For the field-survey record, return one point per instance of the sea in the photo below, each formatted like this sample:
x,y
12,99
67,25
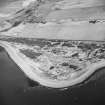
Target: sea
x,y
17,89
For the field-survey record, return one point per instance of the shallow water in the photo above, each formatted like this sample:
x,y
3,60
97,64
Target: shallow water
x,y
16,89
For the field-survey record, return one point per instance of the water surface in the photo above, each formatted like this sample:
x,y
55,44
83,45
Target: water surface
x,y
16,89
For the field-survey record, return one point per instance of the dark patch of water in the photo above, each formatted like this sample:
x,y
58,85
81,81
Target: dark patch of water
x,y
16,89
